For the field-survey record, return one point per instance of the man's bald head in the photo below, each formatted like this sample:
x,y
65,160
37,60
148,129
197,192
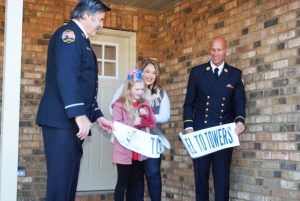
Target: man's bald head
x,y
218,48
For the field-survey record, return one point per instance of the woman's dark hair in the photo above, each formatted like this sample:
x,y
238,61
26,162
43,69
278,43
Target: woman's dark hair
x,y
156,84
88,6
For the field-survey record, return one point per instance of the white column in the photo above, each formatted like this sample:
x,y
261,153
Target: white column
x,y
11,100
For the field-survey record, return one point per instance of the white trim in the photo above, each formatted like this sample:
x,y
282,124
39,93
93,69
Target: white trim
x,y
103,60
11,99
124,34
74,105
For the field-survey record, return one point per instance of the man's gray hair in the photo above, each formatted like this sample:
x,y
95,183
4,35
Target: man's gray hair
x,y
88,6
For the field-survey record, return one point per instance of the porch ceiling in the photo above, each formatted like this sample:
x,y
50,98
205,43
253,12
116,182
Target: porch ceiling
x,y
155,5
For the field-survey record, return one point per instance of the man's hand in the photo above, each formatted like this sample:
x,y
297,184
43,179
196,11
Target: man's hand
x,y
240,127
84,125
105,124
189,130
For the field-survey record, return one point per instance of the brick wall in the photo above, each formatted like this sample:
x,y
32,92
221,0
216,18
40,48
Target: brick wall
x,y
143,22
264,42
39,21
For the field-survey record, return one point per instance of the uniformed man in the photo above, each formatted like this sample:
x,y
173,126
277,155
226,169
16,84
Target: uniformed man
x,y
69,103
215,95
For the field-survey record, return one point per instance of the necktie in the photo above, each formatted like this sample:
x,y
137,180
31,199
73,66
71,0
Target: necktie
x,y
216,72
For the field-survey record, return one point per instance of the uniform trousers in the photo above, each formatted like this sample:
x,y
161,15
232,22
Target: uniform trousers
x,y
63,152
220,162
151,169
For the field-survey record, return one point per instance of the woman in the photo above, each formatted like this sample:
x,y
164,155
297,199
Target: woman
x,y
160,104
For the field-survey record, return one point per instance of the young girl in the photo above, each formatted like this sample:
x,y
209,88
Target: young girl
x,y
130,109
160,104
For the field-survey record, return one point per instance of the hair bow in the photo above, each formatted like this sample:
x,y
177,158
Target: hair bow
x,y
135,75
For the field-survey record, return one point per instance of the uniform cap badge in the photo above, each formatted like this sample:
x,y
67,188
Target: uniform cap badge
x,y
208,68
68,36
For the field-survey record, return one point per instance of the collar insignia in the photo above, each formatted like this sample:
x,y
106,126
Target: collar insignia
x,y
225,70
208,68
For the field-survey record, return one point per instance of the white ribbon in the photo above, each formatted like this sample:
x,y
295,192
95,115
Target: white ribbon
x,y
137,140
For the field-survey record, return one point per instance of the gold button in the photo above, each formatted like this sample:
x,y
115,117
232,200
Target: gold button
x,y
206,109
222,110
207,103
206,115
208,97
222,104
220,123
224,98
221,117
205,122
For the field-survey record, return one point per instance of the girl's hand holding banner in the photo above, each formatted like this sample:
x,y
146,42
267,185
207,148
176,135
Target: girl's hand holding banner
x,y
209,140
136,140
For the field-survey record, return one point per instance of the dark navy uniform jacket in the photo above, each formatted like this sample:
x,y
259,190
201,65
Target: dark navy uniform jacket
x,y
71,80
212,101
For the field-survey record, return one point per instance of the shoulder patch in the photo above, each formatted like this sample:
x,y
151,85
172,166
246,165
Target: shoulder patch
x,y
68,36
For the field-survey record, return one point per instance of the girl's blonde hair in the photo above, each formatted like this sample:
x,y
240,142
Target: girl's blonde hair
x,y
126,96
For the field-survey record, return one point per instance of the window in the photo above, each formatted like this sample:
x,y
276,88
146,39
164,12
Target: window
x,y
107,55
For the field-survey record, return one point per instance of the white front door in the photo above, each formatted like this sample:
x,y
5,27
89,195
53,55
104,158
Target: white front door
x,y
116,54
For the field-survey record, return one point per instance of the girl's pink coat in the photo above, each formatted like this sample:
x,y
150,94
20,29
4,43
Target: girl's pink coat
x,y
120,154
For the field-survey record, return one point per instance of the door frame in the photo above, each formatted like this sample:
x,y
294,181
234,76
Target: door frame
x,y
126,34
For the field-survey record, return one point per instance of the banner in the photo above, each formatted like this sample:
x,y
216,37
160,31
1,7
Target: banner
x,y
136,140
209,140
164,141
